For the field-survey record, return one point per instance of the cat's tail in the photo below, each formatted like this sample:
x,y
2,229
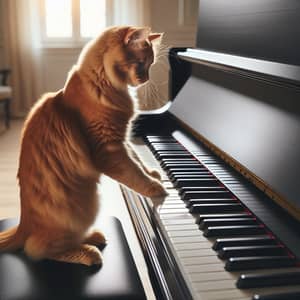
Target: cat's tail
x,y
11,239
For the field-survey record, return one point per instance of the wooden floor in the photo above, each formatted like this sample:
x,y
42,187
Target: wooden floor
x,y
112,203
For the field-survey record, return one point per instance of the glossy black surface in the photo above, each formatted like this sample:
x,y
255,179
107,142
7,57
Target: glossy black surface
x,y
256,124
266,29
263,280
259,262
22,278
281,296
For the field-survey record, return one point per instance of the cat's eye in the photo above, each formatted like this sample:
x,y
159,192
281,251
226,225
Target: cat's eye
x,y
140,65
147,44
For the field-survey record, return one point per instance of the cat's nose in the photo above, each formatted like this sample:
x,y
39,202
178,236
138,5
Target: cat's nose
x,y
145,78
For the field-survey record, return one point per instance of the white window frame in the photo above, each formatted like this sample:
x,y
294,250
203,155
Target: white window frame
x,y
76,40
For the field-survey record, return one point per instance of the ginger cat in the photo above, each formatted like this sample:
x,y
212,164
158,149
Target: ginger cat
x,y
73,136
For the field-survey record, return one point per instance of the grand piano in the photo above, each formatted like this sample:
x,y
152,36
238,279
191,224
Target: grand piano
x,y
228,147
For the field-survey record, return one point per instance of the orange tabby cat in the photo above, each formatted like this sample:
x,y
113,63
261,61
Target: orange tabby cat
x,y
70,138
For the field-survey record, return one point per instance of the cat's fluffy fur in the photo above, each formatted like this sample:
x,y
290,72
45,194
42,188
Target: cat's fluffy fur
x,y
73,136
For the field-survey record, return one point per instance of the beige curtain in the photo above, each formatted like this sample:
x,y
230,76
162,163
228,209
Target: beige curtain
x,y
21,52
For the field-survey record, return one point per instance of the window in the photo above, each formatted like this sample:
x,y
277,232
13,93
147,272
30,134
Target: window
x,y
73,21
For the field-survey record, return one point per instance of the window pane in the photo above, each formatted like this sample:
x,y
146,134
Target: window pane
x,y
92,17
58,18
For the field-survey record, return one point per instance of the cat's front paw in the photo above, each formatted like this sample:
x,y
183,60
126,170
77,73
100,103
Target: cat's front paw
x,y
155,189
155,174
95,238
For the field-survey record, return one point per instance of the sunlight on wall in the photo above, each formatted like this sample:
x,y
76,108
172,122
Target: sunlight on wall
x,y
60,15
58,18
92,17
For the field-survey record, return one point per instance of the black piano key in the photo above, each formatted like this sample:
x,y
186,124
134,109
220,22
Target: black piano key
x,y
185,169
205,175
200,188
195,174
170,151
280,296
201,217
174,154
177,160
165,147
216,208
243,251
198,174
194,182
247,281
219,231
259,262
187,195
160,138
226,222
181,166
191,163
209,201
244,241
209,162
203,187
170,146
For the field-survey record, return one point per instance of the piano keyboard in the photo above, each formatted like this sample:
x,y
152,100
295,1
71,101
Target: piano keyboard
x,y
221,247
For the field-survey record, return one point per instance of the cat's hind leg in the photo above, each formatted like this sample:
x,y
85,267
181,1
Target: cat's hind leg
x,y
84,254
39,247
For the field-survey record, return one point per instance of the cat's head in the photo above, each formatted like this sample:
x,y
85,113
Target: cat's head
x,y
137,55
129,54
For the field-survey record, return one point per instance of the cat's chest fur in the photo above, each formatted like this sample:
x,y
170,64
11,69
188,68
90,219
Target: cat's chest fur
x,y
106,116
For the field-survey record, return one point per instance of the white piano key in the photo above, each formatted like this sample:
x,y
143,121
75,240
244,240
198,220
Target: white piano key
x,y
187,239
168,185
210,276
195,253
232,294
176,215
197,245
217,285
178,221
198,260
183,233
205,268
173,202
163,210
182,227
172,205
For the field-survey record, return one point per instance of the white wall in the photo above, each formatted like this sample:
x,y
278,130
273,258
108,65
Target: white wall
x,y
55,65
177,19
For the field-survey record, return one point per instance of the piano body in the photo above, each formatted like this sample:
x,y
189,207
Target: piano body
x,y
228,147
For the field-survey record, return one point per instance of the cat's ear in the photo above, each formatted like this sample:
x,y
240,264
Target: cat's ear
x,y
154,36
136,34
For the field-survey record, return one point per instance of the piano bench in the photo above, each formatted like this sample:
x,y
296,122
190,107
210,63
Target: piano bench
x,y
22,278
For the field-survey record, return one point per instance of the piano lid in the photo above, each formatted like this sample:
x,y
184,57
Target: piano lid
x,y
256,124
267,30
256,36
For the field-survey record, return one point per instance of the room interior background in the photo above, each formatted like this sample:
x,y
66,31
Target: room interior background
x,y
41,65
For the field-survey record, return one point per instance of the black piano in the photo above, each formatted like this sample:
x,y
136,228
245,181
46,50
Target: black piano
x,y
228,146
